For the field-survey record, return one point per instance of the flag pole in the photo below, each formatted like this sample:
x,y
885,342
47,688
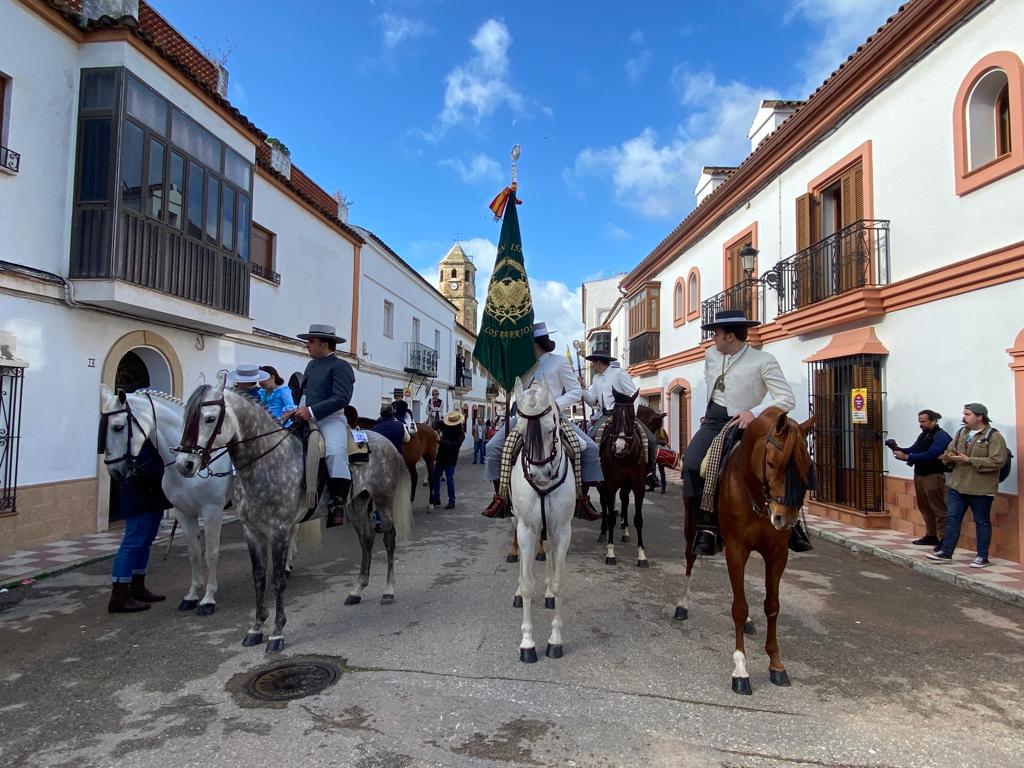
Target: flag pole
x,y
514,157
579,371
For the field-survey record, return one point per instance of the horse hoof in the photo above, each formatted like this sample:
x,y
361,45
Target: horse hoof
x,y
206,609
252,639
188,605
610,561
748,627
601,538
549,603
528,655
643,563
353,599
541,557
511,558
682,614
741,685
779,677
517,601
275,645
387,600
553,651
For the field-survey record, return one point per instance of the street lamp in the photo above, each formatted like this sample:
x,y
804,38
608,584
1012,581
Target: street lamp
x,y
748,258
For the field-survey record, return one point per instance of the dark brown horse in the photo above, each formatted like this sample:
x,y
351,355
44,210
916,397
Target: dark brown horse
x,y
624,465
422,445
761,490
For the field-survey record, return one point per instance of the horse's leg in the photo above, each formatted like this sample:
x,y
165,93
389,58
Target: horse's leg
x,y
364,532
689,532
527,542
736,558
257,543
549,579
638,523
279,544
513,552
190,530
559,549
213,517
624,501
774,565
541,554
603,535
389,546
413,476
609,521
293,553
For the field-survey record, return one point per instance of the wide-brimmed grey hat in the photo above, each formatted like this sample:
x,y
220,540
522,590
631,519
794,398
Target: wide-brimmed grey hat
x,y
730,318
247,373
321,331
541,329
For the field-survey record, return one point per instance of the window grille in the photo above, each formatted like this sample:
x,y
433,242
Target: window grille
x,y
11,379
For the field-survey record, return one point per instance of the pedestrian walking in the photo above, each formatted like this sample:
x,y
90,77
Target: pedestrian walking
x,y
276,396
977,454
141,501
929,475
453,433
479,440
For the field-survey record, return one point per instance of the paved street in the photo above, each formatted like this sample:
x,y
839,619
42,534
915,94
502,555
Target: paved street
x,y
889,668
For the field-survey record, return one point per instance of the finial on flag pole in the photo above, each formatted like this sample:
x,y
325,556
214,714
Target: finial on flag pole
x,y
516,152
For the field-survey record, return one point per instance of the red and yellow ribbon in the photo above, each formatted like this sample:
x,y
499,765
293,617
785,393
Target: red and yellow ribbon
x,y
498,204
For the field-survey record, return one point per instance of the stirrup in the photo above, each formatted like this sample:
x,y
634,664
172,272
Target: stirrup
x,y
706,542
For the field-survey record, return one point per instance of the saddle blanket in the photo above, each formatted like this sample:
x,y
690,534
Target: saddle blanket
x,y
513,445
599,435
711,466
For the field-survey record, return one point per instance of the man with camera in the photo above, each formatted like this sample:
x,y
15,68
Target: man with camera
x,y
929,479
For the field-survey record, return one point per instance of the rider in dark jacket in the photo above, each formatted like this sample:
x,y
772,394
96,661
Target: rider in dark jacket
x,y
390,427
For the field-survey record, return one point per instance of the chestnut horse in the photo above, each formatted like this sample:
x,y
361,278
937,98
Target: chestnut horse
x,y
624,465
760,492
422,445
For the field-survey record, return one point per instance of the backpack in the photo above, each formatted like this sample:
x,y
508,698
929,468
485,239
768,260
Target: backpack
x,y
1004,471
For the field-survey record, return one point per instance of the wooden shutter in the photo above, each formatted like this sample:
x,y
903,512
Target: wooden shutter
x,y
853,253
804,229
261,250
867,439
684,420
823,398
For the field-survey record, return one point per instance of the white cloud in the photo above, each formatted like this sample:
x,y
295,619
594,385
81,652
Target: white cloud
x,y
637,37
844,24
479,168
479,86
637,65
397,29
237,94
615,232
656,178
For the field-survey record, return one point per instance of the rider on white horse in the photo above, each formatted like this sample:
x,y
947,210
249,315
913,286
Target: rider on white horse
x,y
555,371
607,381
326,389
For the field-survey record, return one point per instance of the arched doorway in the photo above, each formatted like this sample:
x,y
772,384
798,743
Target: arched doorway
x,y
143,368
679,397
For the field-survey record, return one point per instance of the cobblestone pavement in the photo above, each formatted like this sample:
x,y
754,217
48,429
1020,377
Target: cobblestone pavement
x,y
889,667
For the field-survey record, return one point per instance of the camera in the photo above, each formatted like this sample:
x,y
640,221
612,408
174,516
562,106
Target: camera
x,y
891,444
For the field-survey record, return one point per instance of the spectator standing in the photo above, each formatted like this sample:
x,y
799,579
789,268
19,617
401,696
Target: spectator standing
x,y
276,396
460,370
390,427
977,453
661,438
929,477
479,440
489,433
453,433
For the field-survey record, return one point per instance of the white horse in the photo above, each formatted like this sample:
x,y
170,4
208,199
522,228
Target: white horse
x,y
127,422
543,495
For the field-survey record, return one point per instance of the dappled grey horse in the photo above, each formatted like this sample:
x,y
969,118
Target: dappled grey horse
x,y
274,490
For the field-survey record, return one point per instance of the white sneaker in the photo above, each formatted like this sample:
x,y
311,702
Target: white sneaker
x,y
980,562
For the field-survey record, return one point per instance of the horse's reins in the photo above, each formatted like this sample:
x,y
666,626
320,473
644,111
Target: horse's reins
x,y
554,444
128,456
527,462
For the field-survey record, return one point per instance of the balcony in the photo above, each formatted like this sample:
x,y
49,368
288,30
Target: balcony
x,y
491,393
152,267
855,257
645,347
10,161
742,296
600,343
420,359
466,384
267,274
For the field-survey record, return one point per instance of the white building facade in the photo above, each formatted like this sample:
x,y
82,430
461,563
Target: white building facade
x,y
886,253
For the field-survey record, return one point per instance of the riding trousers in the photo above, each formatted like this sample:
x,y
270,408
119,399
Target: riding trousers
x,y
714,421
590,460
334,428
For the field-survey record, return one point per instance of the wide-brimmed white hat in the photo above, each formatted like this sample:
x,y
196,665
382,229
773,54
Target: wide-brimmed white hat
x,y
247,373
454,418
321,331
541,329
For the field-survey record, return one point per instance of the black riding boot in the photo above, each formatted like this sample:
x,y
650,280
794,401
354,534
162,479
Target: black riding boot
x,y
337,496
799,541
706,543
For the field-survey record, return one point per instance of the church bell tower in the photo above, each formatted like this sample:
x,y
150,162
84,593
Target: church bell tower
x,y
457,275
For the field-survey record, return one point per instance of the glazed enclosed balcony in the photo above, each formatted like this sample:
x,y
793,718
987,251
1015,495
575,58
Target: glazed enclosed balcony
x,y
420,360
161,221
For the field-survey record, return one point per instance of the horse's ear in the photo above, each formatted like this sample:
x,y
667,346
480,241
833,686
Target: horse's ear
x,y
806,427
105,393
782,423
121,396
218,388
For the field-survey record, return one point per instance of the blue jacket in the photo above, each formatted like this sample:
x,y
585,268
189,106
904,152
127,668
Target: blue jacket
x,y
392,429
277,402
924,454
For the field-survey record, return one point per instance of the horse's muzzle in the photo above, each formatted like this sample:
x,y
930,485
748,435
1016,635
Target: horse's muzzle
x,y
188,464
781,521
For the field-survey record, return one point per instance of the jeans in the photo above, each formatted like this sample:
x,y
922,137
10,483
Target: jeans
x,y
957,505
661,471
449,481
478,451
133,556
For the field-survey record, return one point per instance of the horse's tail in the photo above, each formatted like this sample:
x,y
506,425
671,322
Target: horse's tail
x,y
401,506
316,449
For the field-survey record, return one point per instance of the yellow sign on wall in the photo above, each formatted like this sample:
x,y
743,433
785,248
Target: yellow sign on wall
x,y
859,405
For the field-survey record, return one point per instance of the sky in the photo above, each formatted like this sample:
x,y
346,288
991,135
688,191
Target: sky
x,y
411,108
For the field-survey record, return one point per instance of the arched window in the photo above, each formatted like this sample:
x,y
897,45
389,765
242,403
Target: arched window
x,y
693,294
988,120
455,272
465,274
678,309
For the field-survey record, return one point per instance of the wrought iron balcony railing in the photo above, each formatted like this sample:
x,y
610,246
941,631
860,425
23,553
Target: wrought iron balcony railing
x,y
267,274
743,296
10,160
646,346
466,382
420,359
854,257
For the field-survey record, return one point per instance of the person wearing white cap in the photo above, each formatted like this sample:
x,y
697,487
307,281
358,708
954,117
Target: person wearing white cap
x,y
555,371
245,379
327,388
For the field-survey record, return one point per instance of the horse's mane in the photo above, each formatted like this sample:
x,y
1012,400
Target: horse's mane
x,y
190,431
623,418
159,394
795,460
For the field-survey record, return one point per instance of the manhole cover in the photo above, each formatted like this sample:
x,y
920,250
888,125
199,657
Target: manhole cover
x,y
291,680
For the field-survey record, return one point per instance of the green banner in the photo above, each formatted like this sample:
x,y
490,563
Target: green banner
x,y
504,345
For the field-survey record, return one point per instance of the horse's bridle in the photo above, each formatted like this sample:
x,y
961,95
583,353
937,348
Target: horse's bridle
x,y
128,457
764,508
205,452
554,441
